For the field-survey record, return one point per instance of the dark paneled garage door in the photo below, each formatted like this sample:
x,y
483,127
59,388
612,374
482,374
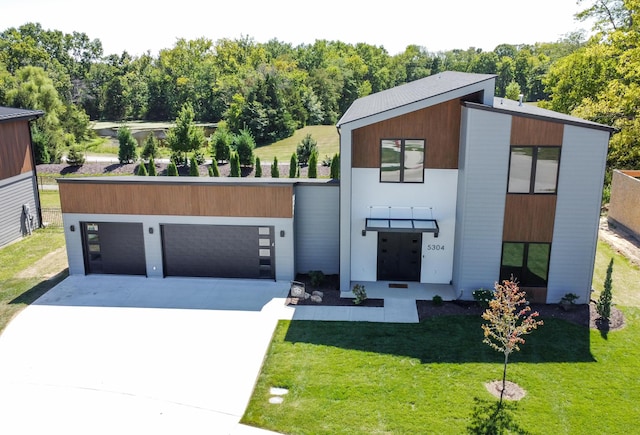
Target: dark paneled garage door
x,y
114,247
222,251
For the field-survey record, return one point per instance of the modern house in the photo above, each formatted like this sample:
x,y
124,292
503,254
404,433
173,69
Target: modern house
x,y
441,185
19,200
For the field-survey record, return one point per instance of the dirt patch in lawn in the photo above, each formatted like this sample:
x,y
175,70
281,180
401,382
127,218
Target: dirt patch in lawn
x,y
48,266
512,391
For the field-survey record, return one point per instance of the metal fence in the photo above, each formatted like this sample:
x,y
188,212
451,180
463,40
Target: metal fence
x,y
51,217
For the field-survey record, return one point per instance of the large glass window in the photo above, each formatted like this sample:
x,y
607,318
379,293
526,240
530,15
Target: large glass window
x,y
533,169
526,262
402,160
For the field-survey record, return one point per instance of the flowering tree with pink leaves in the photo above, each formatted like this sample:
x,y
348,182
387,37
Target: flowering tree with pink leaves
x,y
510,318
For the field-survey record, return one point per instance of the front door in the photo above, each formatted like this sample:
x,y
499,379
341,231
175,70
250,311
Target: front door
x,y
399,256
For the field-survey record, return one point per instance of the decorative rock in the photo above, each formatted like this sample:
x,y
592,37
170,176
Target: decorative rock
x,y
276,400
297,292
317,293
306,295
316,298
275,391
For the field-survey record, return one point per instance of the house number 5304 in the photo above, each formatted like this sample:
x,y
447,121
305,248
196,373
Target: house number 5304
x,y
435,247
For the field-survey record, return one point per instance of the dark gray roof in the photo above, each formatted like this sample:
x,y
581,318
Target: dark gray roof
x,y
506,105
409,93
11,113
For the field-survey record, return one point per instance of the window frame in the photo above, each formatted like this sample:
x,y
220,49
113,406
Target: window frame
x,y
403,142
524,269
533,169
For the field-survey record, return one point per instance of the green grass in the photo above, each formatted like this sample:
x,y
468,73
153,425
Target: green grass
x,y
16,293
366,378
626,276
50,199
326,136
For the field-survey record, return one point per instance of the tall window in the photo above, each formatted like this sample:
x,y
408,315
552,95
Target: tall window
x,y
533,169
402,160
527,262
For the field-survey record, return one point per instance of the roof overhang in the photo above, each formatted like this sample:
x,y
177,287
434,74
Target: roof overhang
x,y
397,225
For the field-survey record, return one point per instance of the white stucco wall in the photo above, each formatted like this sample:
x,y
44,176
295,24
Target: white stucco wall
x,y
438,192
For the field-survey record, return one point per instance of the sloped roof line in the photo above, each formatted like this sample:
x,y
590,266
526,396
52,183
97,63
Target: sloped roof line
x,y
13,113
410,93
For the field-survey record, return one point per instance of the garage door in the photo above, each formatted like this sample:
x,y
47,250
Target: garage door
x,y
114,247
223,251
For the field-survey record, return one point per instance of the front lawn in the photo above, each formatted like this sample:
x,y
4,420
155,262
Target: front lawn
x,y
26,266
366,378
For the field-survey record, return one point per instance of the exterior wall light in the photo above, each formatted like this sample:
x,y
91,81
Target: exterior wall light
x,y
72,228
150,230
281,233
364,233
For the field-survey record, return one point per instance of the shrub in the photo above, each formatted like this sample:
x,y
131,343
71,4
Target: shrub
x,y
142,169
305,148
75,157
437,301
603,306
150,148
360,294
293,166
335,167
245,144
172,170
152,167
316,277
221,143
258,167
193,168
127,152
234,163
483,296
199,156
326,161
213,169
313,165
275,171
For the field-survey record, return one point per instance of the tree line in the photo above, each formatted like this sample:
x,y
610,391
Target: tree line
x,y
273,88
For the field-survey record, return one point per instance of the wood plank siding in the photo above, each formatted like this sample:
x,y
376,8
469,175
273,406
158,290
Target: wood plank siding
x,y
530,131
529,218
15,151
228,200
439,125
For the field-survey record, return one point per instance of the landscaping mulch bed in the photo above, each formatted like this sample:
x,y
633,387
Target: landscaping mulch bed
x,y
331,295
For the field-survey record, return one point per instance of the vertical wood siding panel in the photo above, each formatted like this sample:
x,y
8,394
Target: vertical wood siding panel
x,y
439,125
529,131
175,199
15,149
529,218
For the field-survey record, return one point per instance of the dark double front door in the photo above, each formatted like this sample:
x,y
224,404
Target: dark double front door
x,y
399,256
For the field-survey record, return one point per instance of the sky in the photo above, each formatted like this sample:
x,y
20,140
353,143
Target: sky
x,y
138,26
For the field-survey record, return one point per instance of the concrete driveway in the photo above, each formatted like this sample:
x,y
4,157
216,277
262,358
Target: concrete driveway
x,y
129,355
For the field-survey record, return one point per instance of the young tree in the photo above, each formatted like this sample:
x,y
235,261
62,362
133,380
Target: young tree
x,y
193,168
234,163
509,319
258,168
305,148
313,165
185,136
150,147
293,166
221,143
603,306
152,167
275,171
172,170
127,152
512,91
142,169
245,144
335,167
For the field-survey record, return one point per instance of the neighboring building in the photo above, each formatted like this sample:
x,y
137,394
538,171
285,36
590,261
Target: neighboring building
x,y
19,200
441,185
624,205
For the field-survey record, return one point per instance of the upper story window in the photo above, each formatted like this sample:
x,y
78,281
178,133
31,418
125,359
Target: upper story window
x,y
534,169
402,160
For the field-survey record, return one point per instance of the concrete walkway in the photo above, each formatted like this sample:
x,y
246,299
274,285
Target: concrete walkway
x,y
111,354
